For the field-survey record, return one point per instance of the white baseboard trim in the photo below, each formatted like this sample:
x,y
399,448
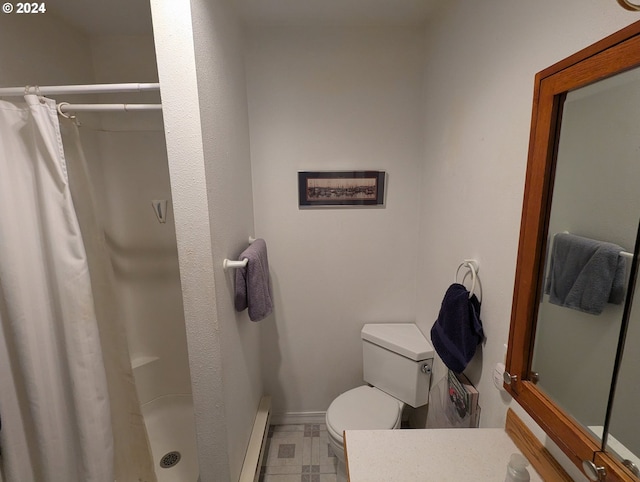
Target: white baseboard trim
x,y
297,418
255,450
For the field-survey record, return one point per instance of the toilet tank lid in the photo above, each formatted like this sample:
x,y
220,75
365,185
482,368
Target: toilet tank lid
x,y
405,339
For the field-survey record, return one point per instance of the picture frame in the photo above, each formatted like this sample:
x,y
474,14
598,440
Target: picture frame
x,y
340,188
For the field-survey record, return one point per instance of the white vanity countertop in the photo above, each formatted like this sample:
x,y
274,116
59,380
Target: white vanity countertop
x,y
432,454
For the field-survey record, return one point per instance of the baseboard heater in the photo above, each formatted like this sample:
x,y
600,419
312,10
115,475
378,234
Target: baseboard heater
x,y
257,442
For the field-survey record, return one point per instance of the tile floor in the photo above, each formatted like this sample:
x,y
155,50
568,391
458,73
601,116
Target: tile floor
x,y
298,453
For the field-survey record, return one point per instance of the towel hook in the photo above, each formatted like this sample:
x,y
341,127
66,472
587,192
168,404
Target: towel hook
x,y
471,265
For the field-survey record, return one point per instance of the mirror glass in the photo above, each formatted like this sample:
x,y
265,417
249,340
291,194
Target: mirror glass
x,y
623,438
595,199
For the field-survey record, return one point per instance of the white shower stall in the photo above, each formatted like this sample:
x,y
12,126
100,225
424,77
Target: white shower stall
x,y
126,157
129,172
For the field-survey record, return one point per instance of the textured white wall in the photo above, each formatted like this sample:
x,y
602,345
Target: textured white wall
x,y
173,35
481,59
333,99
225,133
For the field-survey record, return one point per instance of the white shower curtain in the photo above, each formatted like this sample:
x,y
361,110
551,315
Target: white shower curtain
x,y
132,452
54,403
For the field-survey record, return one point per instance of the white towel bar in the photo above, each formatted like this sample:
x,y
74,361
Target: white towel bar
x,y
230,264
624,254
227,263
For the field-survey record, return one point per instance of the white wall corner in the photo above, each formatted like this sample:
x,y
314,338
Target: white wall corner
x,y
172,24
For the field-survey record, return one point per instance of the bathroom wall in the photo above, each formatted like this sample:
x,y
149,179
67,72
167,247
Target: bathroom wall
x,y
225,129
333,99
480,63
43,50
204,104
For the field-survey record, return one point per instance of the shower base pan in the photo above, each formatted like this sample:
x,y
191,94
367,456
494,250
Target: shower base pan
x,y
171,429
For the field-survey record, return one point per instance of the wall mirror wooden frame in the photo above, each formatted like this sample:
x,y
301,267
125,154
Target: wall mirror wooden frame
x,y
614,54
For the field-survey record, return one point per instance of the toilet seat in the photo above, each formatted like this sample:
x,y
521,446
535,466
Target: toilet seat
x,y
363,408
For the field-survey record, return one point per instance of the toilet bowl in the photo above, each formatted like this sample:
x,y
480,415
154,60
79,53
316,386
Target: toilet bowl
x,y
362,408
397,361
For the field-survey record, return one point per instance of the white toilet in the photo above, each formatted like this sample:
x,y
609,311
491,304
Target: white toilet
x,y
397,361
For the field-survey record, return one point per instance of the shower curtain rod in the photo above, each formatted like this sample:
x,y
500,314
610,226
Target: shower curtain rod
x,y
65,108
78,89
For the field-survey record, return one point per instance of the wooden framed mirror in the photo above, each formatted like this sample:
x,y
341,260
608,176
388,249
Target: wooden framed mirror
x,y
613,61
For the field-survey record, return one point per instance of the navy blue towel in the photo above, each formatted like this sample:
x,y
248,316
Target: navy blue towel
x,y
458,330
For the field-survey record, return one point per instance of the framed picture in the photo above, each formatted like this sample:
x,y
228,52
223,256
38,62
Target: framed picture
x,y
340,188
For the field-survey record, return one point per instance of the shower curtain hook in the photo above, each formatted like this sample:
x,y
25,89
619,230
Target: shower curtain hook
x,y
72,118
59,109
39,94
26,89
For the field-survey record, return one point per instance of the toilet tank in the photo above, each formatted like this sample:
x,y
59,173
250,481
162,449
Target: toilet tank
x,y
397,359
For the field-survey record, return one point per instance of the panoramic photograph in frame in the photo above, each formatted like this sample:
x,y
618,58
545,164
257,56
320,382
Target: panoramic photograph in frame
x,y
340,188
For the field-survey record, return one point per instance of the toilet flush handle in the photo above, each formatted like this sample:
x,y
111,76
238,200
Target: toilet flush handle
x,y
426,368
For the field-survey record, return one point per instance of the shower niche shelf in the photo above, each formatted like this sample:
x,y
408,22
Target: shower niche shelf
x,y
140,361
